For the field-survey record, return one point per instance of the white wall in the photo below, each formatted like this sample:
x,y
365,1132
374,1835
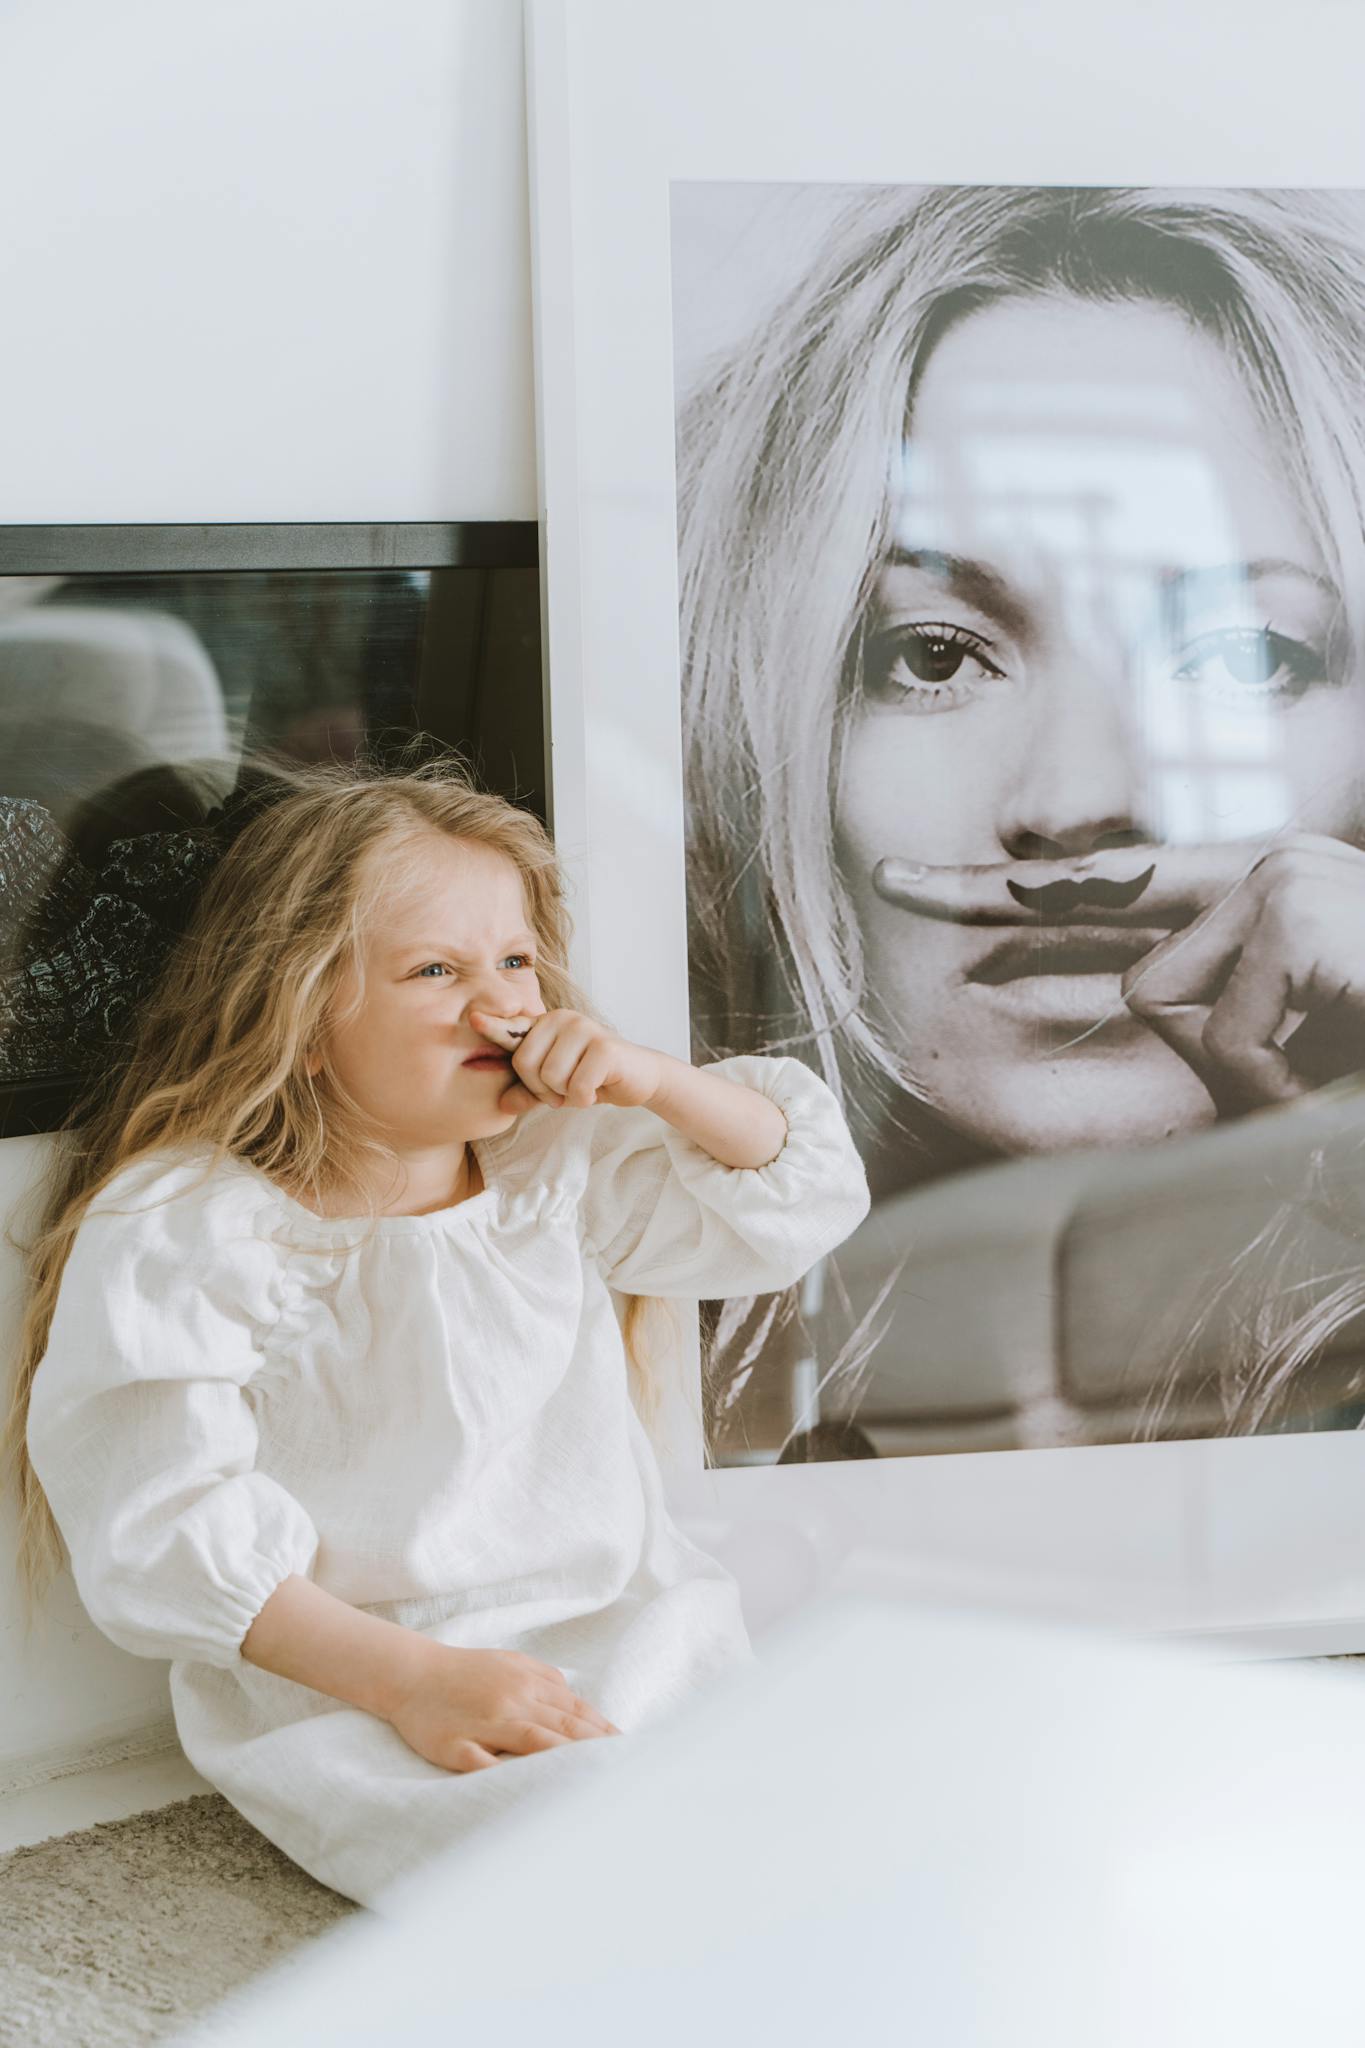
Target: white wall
x,y
265,261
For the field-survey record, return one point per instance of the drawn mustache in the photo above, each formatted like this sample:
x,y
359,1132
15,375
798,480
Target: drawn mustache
x,y
1101,887
1052,899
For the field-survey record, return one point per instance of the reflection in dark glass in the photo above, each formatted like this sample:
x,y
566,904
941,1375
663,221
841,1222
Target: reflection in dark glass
x,y
127,703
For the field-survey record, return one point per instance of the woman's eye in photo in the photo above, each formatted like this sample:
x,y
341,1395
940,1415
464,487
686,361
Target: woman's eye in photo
x,y
432,968
517,960
933,667
1252,664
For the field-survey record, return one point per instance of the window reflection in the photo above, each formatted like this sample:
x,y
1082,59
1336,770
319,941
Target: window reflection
x,y
128,706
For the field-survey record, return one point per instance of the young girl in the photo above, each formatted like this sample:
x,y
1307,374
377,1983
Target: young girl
x,y
322,1381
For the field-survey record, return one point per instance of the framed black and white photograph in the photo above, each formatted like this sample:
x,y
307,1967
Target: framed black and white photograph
x,y
954,496
1020,545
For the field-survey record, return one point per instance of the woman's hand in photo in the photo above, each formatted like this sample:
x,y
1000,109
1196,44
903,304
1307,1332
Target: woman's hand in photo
x,y
466,1708
571,1062
1264,992
1261,988
1259,983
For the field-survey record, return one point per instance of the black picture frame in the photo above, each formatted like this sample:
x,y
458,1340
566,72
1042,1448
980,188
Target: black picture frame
x,y
166,549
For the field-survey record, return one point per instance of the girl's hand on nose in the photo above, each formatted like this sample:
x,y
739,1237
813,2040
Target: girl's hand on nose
x,y
571,1062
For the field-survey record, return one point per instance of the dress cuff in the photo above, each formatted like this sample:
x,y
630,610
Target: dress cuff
x,y
817,1165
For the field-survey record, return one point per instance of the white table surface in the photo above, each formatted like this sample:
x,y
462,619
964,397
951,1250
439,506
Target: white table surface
x,y
907,1825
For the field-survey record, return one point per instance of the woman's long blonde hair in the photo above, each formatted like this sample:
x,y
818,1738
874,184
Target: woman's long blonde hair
x,y
789,451
220,1053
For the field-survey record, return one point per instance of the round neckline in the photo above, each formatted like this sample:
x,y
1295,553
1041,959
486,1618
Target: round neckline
x,y
423,1220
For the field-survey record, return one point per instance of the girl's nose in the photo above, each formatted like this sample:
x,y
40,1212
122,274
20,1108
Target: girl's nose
x,y
495,994
1081,780
494,1000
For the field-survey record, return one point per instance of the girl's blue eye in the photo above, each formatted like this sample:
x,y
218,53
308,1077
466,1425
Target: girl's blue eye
x,y
513,960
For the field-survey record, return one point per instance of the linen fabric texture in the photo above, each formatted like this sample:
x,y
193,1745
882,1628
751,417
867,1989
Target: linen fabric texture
x,y
430,1416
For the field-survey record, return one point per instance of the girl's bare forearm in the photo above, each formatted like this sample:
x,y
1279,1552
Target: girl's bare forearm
x,y
736,1125
309,1635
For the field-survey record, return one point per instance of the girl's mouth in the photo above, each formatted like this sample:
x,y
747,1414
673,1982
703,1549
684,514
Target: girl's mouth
x,y
502,1060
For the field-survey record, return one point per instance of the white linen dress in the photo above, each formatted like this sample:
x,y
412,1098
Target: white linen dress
x,y
429,1416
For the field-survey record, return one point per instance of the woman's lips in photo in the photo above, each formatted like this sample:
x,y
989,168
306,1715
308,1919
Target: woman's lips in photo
x,y
481,1061
1068,974
1066,931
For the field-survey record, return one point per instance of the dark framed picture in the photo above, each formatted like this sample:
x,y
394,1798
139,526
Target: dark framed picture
x,y
144,670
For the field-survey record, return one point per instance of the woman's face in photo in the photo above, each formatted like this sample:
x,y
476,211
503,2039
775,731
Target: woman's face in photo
x,y
1104,623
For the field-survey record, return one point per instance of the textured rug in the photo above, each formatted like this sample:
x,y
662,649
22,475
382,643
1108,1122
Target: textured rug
x,y
131,1930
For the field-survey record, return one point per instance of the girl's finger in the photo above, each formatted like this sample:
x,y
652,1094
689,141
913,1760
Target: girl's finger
x,y
505,1032
564,1701
583,1710
516,1100
563,1057
529,1056
523,1737
587,1077
578,1728
473,1756
552,1672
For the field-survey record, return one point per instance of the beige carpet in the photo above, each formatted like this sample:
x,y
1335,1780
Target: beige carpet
x,y
128,1931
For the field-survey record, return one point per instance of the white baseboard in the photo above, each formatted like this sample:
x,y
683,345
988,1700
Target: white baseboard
x,y
118,1743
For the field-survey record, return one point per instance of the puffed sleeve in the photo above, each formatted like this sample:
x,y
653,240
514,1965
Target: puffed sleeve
x,y
141,1433
663,1217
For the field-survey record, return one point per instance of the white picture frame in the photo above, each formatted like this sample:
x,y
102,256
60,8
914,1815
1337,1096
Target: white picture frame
x,y
1258,1542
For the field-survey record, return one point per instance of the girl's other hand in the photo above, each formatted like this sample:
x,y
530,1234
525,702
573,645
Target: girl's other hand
x,y
466,1708
570,1062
